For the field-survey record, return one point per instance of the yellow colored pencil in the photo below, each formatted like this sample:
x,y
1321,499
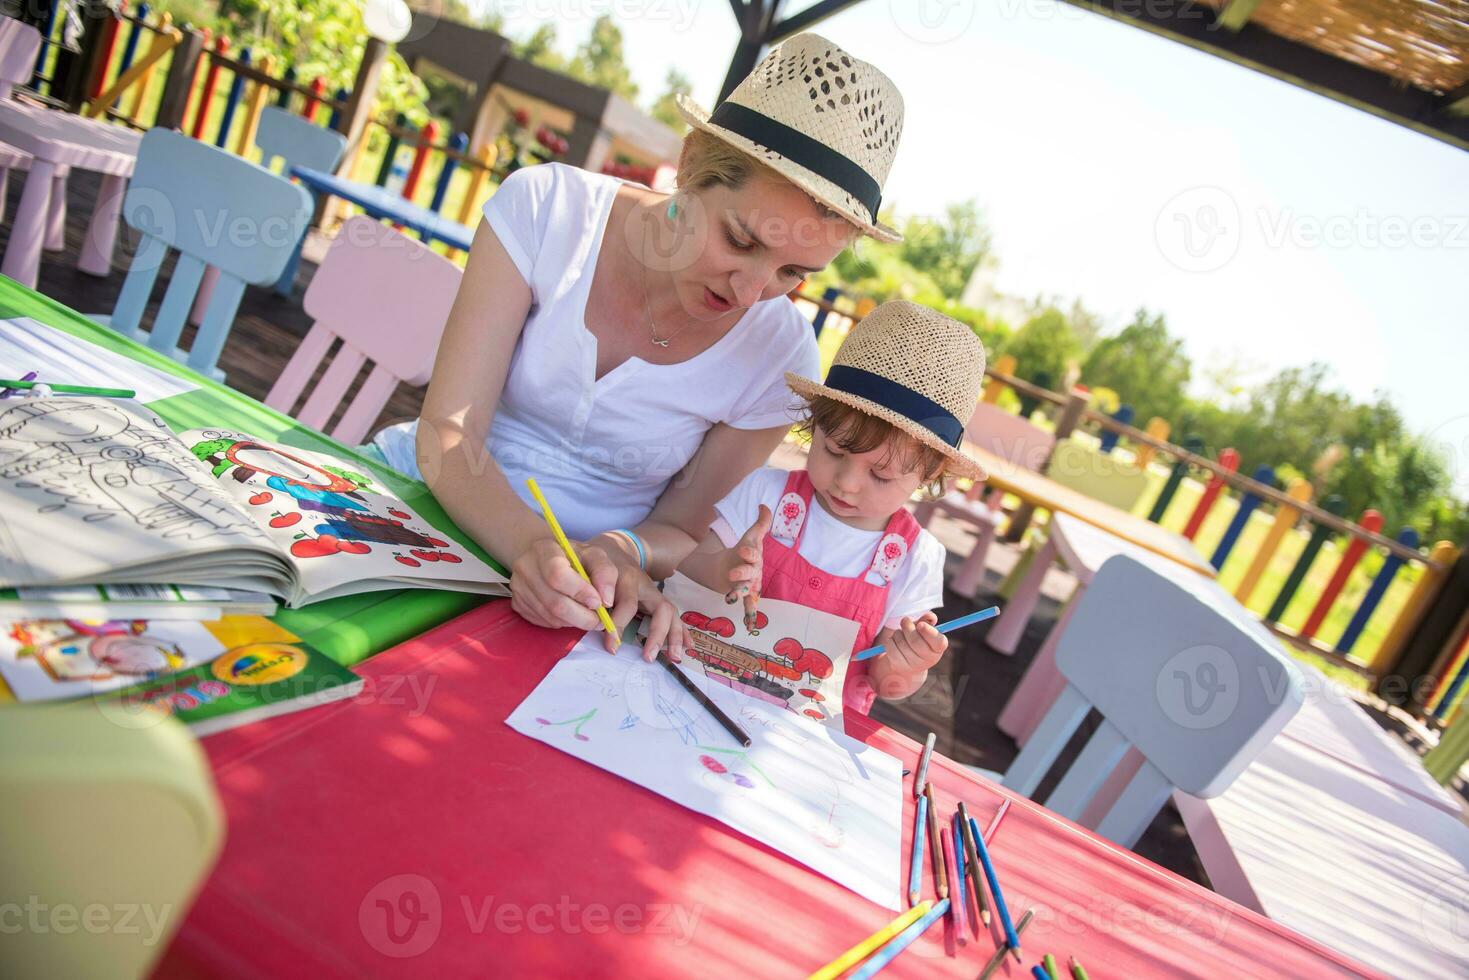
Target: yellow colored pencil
x,y
571,555
872,943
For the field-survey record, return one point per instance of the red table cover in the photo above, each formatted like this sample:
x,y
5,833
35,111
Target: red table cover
x,y
410,831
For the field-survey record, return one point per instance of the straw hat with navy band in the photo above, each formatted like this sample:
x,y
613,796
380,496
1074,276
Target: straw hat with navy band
x,y
913,367
822,119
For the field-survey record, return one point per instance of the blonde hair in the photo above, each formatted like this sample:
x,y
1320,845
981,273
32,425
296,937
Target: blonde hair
x,y
707,161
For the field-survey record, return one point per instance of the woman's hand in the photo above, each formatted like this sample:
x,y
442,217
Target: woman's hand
x,y
911,651
547,591
636,592
745,562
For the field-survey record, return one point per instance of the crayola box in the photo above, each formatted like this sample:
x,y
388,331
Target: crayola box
x,y
210,675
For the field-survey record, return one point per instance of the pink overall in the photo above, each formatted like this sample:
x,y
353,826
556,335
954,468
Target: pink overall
x,y
791,577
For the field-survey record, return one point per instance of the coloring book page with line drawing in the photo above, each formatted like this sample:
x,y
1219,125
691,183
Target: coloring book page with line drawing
x,y
100,491
805,789
796,657
90,486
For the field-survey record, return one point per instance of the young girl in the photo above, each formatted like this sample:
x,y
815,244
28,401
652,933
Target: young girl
x,y
836,536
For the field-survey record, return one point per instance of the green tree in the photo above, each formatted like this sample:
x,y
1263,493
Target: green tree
x,y
1044,347
947,250
540,48
1144,364
665,109
599,61
321,39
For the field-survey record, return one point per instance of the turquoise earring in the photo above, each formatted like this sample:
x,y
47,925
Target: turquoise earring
x,y
672,209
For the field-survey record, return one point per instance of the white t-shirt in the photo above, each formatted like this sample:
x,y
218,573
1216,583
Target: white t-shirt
x,y
603,450
836,548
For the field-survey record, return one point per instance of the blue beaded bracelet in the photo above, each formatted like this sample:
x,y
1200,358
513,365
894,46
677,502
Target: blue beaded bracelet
x,y
637,543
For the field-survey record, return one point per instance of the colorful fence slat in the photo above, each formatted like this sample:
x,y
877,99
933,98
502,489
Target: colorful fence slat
x,y
420,159
1370,520
254,106
1443,554
104,59
1333,504
830,295
318,89
283,100
336,116
1448,696
130,46
1407,537
386,167
206,95
458,144
1109,438
993,387
140,87
1229,460
231,102
1247,505
1029,403
206,35
1285,519
1157,428
1194,445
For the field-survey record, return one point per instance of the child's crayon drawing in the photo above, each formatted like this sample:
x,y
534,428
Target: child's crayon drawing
x,y
799,786
793,657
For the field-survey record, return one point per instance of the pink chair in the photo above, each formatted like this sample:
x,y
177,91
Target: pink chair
x,y
19,46
1015,440
387,298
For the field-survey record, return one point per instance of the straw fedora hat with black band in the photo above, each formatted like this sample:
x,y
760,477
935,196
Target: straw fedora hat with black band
x,y
914,368
824,120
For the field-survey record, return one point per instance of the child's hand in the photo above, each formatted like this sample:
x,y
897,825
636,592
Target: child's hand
x,y
746,570
917,646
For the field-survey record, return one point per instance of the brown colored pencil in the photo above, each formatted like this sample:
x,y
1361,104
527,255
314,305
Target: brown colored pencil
x,y
972,866
940,876
999,957
718,715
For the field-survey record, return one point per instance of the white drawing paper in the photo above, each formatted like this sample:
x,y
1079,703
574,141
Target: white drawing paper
x,y
28,345
803,788
796,657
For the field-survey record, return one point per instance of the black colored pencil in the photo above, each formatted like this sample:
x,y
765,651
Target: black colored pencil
x,y
709,706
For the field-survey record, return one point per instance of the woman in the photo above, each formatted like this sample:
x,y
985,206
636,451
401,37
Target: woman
x,y
628,349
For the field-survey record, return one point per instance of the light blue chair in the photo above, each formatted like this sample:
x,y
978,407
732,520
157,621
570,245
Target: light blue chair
x,y
1189,685
219,211
296,143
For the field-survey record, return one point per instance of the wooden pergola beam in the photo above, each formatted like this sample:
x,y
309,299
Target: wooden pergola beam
x,y
1194,24
759,28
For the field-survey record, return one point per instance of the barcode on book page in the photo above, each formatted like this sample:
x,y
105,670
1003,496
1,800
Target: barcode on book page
x,y
158,593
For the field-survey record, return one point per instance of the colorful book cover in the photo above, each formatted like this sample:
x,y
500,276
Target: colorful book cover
x,y
259,678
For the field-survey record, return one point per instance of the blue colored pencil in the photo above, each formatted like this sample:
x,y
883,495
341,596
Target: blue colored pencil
x,y
1039,972
953,624
1011,939
920,828
901,941
959,869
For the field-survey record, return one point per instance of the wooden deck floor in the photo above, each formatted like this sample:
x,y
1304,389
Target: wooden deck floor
x,y
961,699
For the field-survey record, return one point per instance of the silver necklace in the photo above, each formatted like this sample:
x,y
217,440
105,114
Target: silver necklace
x,y
648,306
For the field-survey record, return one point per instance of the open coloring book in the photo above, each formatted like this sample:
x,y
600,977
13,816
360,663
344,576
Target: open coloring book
x,y
99,490
804,788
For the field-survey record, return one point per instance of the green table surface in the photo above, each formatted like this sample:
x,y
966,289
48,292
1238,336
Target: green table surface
x,y
348,629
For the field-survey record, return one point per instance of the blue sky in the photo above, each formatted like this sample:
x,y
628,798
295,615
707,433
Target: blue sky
x,y
1271,225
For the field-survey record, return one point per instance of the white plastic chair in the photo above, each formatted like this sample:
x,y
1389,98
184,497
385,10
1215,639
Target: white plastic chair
x,y
1020,444
1181,673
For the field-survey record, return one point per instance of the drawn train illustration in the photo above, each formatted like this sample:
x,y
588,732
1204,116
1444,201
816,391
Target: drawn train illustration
x,y
790,676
